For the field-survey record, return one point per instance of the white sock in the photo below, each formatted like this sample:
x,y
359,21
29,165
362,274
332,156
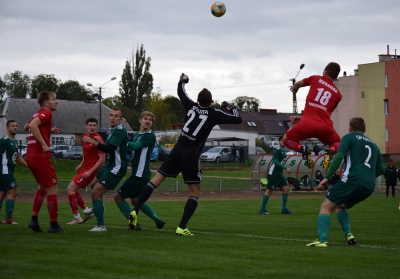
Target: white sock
x,y
77,216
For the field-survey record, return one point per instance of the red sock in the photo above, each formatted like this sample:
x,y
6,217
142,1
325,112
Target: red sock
x,y
335,147
38,201
52,207
294,145
81,202
73,203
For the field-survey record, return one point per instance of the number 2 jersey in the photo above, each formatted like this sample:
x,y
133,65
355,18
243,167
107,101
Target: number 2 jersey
x,y
199,121
362,159
322,99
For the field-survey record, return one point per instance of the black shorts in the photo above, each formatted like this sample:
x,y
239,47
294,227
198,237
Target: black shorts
x,y
182,160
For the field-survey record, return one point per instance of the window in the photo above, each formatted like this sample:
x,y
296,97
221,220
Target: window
x,y
254,124
251,124
386,81
386,106
280,124
386,134
57,140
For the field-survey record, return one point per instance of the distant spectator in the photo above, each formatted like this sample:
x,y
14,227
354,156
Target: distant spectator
x,y
318,178
335,178
316,149
391,178
233,152
241,154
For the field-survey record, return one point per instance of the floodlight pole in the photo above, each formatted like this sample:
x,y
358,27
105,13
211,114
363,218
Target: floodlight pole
x,y
294,94
99,90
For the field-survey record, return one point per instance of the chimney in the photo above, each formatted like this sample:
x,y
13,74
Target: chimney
x,y
356,72
344,73
388,50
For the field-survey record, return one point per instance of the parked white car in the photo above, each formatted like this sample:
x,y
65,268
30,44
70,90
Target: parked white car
x,y
61,150
218,154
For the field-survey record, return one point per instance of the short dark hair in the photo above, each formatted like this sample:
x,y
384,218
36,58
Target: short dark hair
x,y
44,96
116,108
205,98
10,121
91,119
357,124
280,138
333,70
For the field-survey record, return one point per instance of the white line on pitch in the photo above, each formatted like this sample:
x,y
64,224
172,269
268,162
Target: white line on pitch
x,y
266,237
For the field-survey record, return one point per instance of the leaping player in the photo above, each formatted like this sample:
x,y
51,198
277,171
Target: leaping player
x,y
323,97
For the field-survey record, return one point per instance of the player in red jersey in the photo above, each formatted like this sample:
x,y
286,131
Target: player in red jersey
x,y
322,99
86,172
38,156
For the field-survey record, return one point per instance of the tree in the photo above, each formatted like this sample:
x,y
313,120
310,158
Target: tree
x,y
2,89
216,105
136,81
245,103
175,109
44,82
17,84
73,91
112,102
156,105
132,117
166,138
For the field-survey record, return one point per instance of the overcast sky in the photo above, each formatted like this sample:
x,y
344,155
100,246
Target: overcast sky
x,y
253,50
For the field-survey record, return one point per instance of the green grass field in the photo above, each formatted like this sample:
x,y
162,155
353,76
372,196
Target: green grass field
x,y
231,241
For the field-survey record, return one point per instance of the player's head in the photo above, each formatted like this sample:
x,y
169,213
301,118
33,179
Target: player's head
x,y
357,124
332,70
12,127
205,98
115,117
146,119
47,100
91,125
281,142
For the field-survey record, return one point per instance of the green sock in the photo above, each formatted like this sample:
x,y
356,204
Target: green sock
x,y
344,221
324,222
98,210
264,202
146,209
9,208
284,200
1,204
124,208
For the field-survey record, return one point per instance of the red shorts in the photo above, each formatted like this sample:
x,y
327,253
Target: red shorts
x,y
308,128
43,171
83,182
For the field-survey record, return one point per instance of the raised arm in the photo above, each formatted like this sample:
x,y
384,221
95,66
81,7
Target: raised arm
x,y
185,100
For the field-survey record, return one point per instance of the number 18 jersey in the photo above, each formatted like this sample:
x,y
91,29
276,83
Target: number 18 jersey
x,y
322,99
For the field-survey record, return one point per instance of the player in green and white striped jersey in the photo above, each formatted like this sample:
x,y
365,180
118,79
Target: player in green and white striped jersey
x,y
9,157
141,149
363,163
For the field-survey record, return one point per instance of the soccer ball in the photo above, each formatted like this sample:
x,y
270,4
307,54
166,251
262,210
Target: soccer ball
x,y
218,9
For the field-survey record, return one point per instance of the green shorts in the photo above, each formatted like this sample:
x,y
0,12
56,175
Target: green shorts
x,y
7,182
132,187
106,178
276,181
347,195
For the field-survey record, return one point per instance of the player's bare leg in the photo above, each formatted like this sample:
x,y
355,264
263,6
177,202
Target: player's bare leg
x,y
305,150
